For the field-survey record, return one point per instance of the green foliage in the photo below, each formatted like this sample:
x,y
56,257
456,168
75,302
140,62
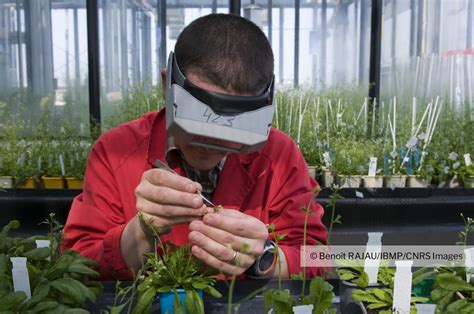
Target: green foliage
x,y
382,300
320,296
353,272
60,282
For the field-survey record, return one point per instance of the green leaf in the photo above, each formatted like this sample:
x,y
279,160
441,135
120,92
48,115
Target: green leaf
x,y
46,306
195,303
145,301
79,268
212,291
3,264
38,254
364,296
12,300
362,281
39,293
73,289
460,306
383,295
60,267
453,283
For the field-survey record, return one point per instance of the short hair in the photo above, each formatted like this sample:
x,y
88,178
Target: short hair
x,y
228,51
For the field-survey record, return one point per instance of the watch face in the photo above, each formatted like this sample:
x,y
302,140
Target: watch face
x,y
266,260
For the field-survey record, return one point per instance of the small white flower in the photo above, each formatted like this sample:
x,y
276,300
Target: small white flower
x,y
456,165
446,170
422,136
406,159
393,154
453,156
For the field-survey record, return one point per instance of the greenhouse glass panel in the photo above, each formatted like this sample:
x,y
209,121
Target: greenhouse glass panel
x,y
427,51
333,45
43,63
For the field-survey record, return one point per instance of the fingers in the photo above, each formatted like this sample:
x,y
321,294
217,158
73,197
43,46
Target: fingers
x,y
161,177
241,225
223,266
252,247
168,211
163,225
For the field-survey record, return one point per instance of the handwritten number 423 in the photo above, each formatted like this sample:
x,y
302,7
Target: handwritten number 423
x,y
217,119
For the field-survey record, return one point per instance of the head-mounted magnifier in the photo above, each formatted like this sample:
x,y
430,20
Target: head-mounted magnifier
x,y
193,113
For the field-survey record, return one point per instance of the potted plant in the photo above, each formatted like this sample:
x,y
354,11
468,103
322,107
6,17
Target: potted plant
x,y
380,300
466,174
176,277
76,169
7,180
353,276
394,177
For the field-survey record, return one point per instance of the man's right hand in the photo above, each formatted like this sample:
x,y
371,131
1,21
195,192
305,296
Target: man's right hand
x,y
166,199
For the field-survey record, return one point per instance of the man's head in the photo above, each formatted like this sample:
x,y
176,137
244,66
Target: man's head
x,y
228,55
227,51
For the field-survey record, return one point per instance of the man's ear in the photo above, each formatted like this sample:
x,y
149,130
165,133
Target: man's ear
x,y
163,82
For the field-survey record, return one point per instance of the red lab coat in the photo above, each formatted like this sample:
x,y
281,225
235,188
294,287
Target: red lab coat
x,y
272,185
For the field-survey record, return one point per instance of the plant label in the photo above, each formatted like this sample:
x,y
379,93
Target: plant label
x,y
61,163
43,243
372,166
373,249
469,260
402,287
467,159
21,279
327,159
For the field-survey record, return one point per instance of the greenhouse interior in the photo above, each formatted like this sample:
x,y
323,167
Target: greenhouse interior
x,y
134,132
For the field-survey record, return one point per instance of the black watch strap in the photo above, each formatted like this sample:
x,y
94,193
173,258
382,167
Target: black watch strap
x,y
265,262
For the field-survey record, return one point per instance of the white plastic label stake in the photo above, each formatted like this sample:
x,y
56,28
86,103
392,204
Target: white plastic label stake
x,y
467,159
373,249
21,279
372,166
43,243
402,287
327,159
303,309
61,163
469,256
425,308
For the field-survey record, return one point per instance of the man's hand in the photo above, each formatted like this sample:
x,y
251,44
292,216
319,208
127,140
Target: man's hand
x,y
229,241
166,199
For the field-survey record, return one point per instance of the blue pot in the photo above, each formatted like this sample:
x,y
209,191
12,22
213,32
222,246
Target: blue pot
x,y
167,300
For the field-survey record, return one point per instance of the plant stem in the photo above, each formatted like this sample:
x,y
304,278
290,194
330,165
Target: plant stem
x,y
231,292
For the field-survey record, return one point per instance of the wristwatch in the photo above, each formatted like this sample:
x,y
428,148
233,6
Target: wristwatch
x,y
265,262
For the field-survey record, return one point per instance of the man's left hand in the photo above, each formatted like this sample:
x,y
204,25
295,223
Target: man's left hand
x,y
228,241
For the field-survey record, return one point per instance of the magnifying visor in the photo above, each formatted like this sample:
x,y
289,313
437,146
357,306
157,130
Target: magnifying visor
x,y
199,117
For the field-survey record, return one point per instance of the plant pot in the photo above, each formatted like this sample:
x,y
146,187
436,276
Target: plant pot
x,y
53,182
469,182
396,181
167,300
29,183
327,179
312,171
74,184
349,181
7,182
372,182
417,182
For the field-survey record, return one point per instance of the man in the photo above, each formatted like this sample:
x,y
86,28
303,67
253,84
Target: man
x,y
216,137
